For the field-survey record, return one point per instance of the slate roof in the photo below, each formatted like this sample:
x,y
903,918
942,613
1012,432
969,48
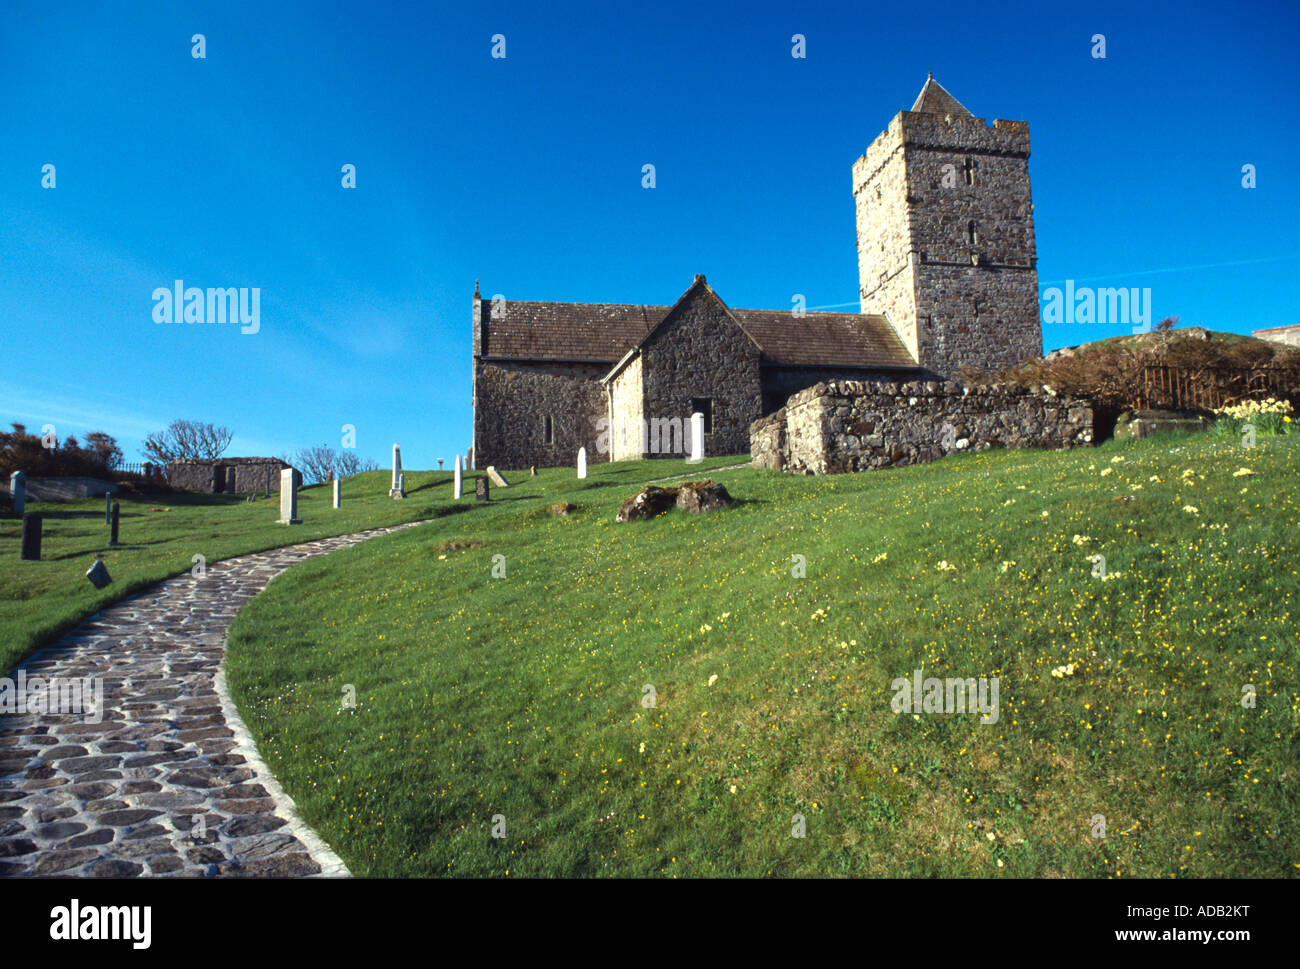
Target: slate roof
x,y
933,99
604,332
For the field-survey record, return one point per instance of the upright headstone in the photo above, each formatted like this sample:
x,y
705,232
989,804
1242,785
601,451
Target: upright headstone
x,y
290,479
473,458
401,486
338,498
112,536
440,464
582,462
18,491
31,549
108,507
532,471
397,470
697,438
457,482
481,489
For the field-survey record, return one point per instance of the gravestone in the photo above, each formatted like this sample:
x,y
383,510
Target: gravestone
x,y
108,507
697,438
582,462
532,471
31,548
112,537
18,490
472,457
290,479
98,574
481,489
457,481
440,464
394,489
495,475
338,498
400,490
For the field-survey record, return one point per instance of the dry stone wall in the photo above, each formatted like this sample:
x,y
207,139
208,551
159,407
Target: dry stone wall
x,y
854,426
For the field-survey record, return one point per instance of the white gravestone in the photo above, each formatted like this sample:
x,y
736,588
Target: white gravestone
x,y
290,479
697,438
582,462
397,470
18,491
457,482
338,498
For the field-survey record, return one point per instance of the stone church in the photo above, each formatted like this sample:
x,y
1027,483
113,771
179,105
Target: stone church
x,y
946,276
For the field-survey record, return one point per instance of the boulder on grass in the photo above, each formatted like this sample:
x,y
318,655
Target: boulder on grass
x,y
651,502
701,496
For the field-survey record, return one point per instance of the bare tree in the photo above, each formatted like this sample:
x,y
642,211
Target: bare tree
x,y
187,439
319,463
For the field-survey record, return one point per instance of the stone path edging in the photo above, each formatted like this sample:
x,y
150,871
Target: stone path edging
x,y
166,780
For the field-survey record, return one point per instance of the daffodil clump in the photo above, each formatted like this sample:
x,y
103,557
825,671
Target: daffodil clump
x,y
1271,416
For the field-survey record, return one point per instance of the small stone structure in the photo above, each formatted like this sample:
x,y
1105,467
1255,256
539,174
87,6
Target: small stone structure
x,y
856,426
235,476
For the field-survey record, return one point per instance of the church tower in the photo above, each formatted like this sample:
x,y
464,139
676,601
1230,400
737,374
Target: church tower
x,y
946,236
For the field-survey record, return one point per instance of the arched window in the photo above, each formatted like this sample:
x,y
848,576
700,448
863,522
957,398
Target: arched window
x,y
972,233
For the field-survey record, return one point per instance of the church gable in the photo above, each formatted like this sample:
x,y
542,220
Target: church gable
x,y
700,358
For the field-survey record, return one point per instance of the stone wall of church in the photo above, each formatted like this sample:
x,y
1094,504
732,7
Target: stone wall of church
x,y
627,409
699,352
512,401
781,382
975,266
946,244
854,426
886,283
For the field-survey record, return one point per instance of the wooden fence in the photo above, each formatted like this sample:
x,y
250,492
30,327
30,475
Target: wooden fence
x,y
1163,387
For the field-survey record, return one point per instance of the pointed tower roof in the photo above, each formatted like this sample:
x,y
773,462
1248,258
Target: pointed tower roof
x,y
933,99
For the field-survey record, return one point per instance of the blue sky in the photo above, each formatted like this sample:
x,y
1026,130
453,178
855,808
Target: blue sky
x,y
525,172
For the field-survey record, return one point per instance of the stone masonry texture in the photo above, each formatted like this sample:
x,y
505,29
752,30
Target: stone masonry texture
x,y
853,426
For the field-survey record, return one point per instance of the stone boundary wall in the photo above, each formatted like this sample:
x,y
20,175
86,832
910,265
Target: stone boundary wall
x,y
247,475
855,426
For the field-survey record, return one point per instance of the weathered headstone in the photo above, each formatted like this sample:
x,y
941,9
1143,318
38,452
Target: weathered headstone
x,y
400,490
495,475
98,574
338,498
290,479
18,491
697,438
393,491
472,457
113,523
582,462
457,481
31,548
532,471
481,489
440,464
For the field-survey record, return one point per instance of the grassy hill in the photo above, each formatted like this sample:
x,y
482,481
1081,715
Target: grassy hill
x,y
522,696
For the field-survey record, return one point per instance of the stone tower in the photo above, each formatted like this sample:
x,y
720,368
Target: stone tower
x,y
946,236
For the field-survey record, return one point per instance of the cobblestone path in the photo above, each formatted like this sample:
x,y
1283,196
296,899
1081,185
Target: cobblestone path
x,y
168,781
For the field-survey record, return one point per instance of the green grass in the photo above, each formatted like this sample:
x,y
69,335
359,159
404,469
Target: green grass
x,y
162,534
521,696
